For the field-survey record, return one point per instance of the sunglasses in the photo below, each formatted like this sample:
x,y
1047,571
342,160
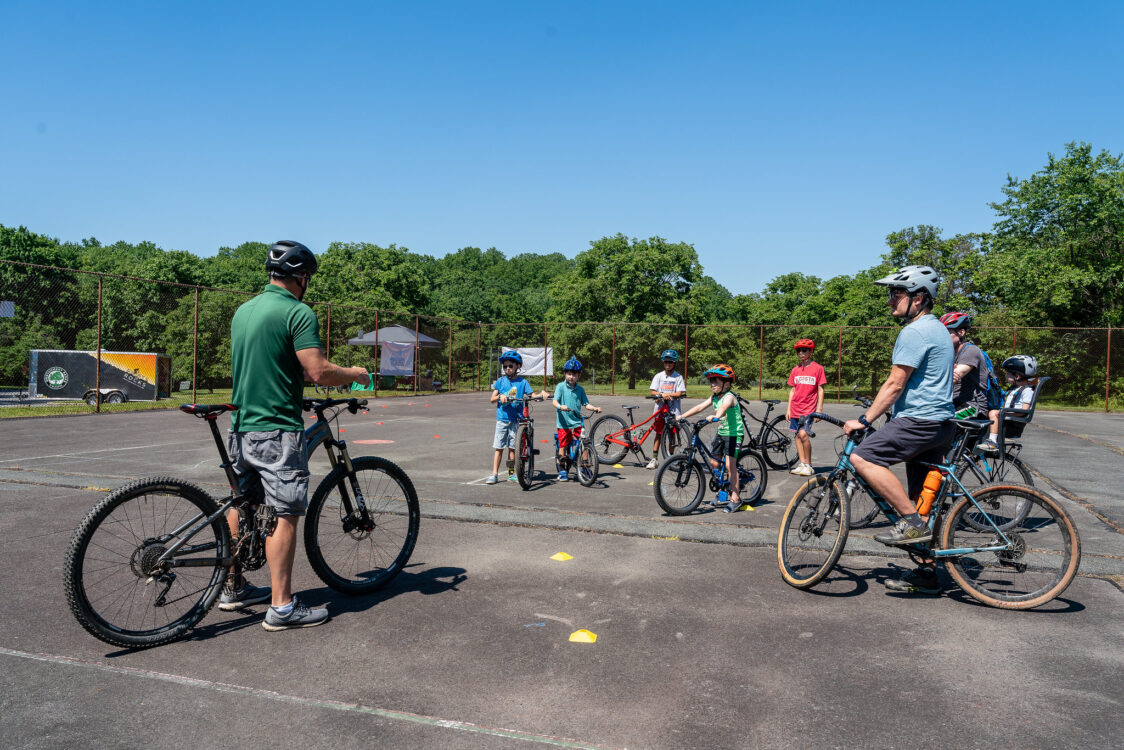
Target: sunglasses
x,y
713,381
510,364
802,350
896,294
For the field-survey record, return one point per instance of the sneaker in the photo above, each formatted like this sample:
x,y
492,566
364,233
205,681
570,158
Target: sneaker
x,y
922,580
243,597
563,476
796,469
804,470
512,478
652,464
904,533
492,479
988,447
733,506
300,617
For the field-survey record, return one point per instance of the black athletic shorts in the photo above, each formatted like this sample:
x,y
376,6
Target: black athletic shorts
x,y
724,446
908,439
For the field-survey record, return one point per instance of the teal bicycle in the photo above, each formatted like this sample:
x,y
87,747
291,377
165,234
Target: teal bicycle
x,y
1006,545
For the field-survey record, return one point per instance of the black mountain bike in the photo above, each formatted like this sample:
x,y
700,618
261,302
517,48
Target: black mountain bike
x,y
679,485
148,561
772,440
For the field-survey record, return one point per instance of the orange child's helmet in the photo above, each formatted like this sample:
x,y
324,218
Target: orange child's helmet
x,y
725,372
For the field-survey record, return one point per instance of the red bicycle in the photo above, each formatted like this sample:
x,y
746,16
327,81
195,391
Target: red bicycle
x,y
612,437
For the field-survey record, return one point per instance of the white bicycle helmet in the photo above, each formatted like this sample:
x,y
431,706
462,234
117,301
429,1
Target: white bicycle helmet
x,y
1023,363
914,279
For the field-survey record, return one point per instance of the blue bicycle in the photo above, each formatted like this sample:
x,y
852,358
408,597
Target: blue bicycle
x,y
1007,545
583,463
680,485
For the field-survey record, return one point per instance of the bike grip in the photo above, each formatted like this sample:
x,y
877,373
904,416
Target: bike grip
x,y
825,417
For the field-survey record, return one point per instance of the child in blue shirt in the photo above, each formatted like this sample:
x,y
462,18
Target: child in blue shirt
x,y
509,388
569,398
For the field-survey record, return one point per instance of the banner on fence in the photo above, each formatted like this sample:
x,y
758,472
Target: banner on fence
x,y
533,360
397,359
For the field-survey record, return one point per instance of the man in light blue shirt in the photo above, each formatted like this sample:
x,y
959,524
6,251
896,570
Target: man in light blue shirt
x,y
919,389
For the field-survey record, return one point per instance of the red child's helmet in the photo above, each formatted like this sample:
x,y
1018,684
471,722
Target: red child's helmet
x,y
805,344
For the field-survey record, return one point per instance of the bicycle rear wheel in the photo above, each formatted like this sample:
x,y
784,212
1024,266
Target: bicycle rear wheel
x,y
1038,563
753,477
777,445
673,439
679,485
813,532
607,453
525,456
112,555
587,463
351,554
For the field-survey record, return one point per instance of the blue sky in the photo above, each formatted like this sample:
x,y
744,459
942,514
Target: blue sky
x,y
774,137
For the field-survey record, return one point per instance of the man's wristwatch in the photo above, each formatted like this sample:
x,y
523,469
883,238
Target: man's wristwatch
x,y
863,420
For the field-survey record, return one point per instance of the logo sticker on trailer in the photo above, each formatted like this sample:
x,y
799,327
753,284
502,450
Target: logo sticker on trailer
x,y
56,378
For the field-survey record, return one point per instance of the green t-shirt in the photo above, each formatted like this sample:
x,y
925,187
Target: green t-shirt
x,y
265,335
731,424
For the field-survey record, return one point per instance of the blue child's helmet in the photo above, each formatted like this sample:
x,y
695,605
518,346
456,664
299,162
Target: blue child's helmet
x,y
513,356
669,354
572,365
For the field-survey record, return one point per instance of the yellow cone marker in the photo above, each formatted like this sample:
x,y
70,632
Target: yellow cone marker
x,y
583,636
618,466
650,483
561,557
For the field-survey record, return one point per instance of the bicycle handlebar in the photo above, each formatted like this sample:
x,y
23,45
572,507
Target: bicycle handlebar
x,y
320,404
808,420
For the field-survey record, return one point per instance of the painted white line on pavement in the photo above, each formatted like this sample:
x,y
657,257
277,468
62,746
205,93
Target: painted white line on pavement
x,y
223,687
103,450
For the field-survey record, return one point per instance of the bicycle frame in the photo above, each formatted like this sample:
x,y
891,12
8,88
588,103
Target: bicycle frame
x,y
697,446
627,441
941,502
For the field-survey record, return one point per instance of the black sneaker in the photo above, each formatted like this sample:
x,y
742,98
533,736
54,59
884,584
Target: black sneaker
x,y
922,580
903,533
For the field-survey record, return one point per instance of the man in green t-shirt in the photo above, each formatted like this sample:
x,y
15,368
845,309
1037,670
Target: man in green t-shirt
x,y
274,348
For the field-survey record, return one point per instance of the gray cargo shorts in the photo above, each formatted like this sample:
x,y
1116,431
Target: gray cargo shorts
x,y
273,466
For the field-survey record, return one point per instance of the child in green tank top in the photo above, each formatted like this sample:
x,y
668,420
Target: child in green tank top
x,y
730,427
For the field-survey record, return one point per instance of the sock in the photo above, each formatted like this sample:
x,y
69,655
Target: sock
x,y
994,437
284,609
914,520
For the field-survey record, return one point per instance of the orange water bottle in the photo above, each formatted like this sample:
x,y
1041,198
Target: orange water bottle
x,y
929,491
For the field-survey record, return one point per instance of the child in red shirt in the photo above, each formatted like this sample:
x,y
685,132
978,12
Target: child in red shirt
x,y
807,380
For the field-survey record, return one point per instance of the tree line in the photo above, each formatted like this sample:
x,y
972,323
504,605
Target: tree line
x,y
1054,257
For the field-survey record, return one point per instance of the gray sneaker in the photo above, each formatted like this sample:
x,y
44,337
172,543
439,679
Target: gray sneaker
x,y
492,479
300,617
243,597
904,533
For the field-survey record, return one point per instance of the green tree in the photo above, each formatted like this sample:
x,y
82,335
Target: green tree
x,y
366,275
1058,256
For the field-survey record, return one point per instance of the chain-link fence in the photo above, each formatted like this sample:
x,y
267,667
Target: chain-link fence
x,y
162,343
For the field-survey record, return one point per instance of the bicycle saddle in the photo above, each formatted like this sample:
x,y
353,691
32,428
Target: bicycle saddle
x,y
627,408
970,425
769,401
203,410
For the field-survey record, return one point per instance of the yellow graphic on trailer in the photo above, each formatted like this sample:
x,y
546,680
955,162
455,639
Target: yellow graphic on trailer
x,y
142,366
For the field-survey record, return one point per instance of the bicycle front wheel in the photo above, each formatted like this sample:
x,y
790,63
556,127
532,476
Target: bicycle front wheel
x,y
1038,559
753,477
679,485
863,509
813,532
525,456
358,555
114,586
777,445
607,452
587,463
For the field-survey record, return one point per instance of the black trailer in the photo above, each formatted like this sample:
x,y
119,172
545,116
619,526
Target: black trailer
x,y
125,376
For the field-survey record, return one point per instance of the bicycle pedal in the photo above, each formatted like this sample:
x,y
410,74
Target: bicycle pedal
x,y
535,451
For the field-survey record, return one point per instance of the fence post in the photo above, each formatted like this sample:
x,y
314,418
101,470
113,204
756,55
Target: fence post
x,y
613,372
1107,367
839,373
545,350
449,380
97,365
686,349
377,352
195,351
1015,341
479,354
417,356
329,347
761,365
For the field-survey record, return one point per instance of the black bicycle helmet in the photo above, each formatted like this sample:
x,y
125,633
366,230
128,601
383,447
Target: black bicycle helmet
x,y
289,258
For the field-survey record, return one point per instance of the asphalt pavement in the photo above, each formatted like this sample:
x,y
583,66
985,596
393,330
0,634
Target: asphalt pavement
x,y
699,643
